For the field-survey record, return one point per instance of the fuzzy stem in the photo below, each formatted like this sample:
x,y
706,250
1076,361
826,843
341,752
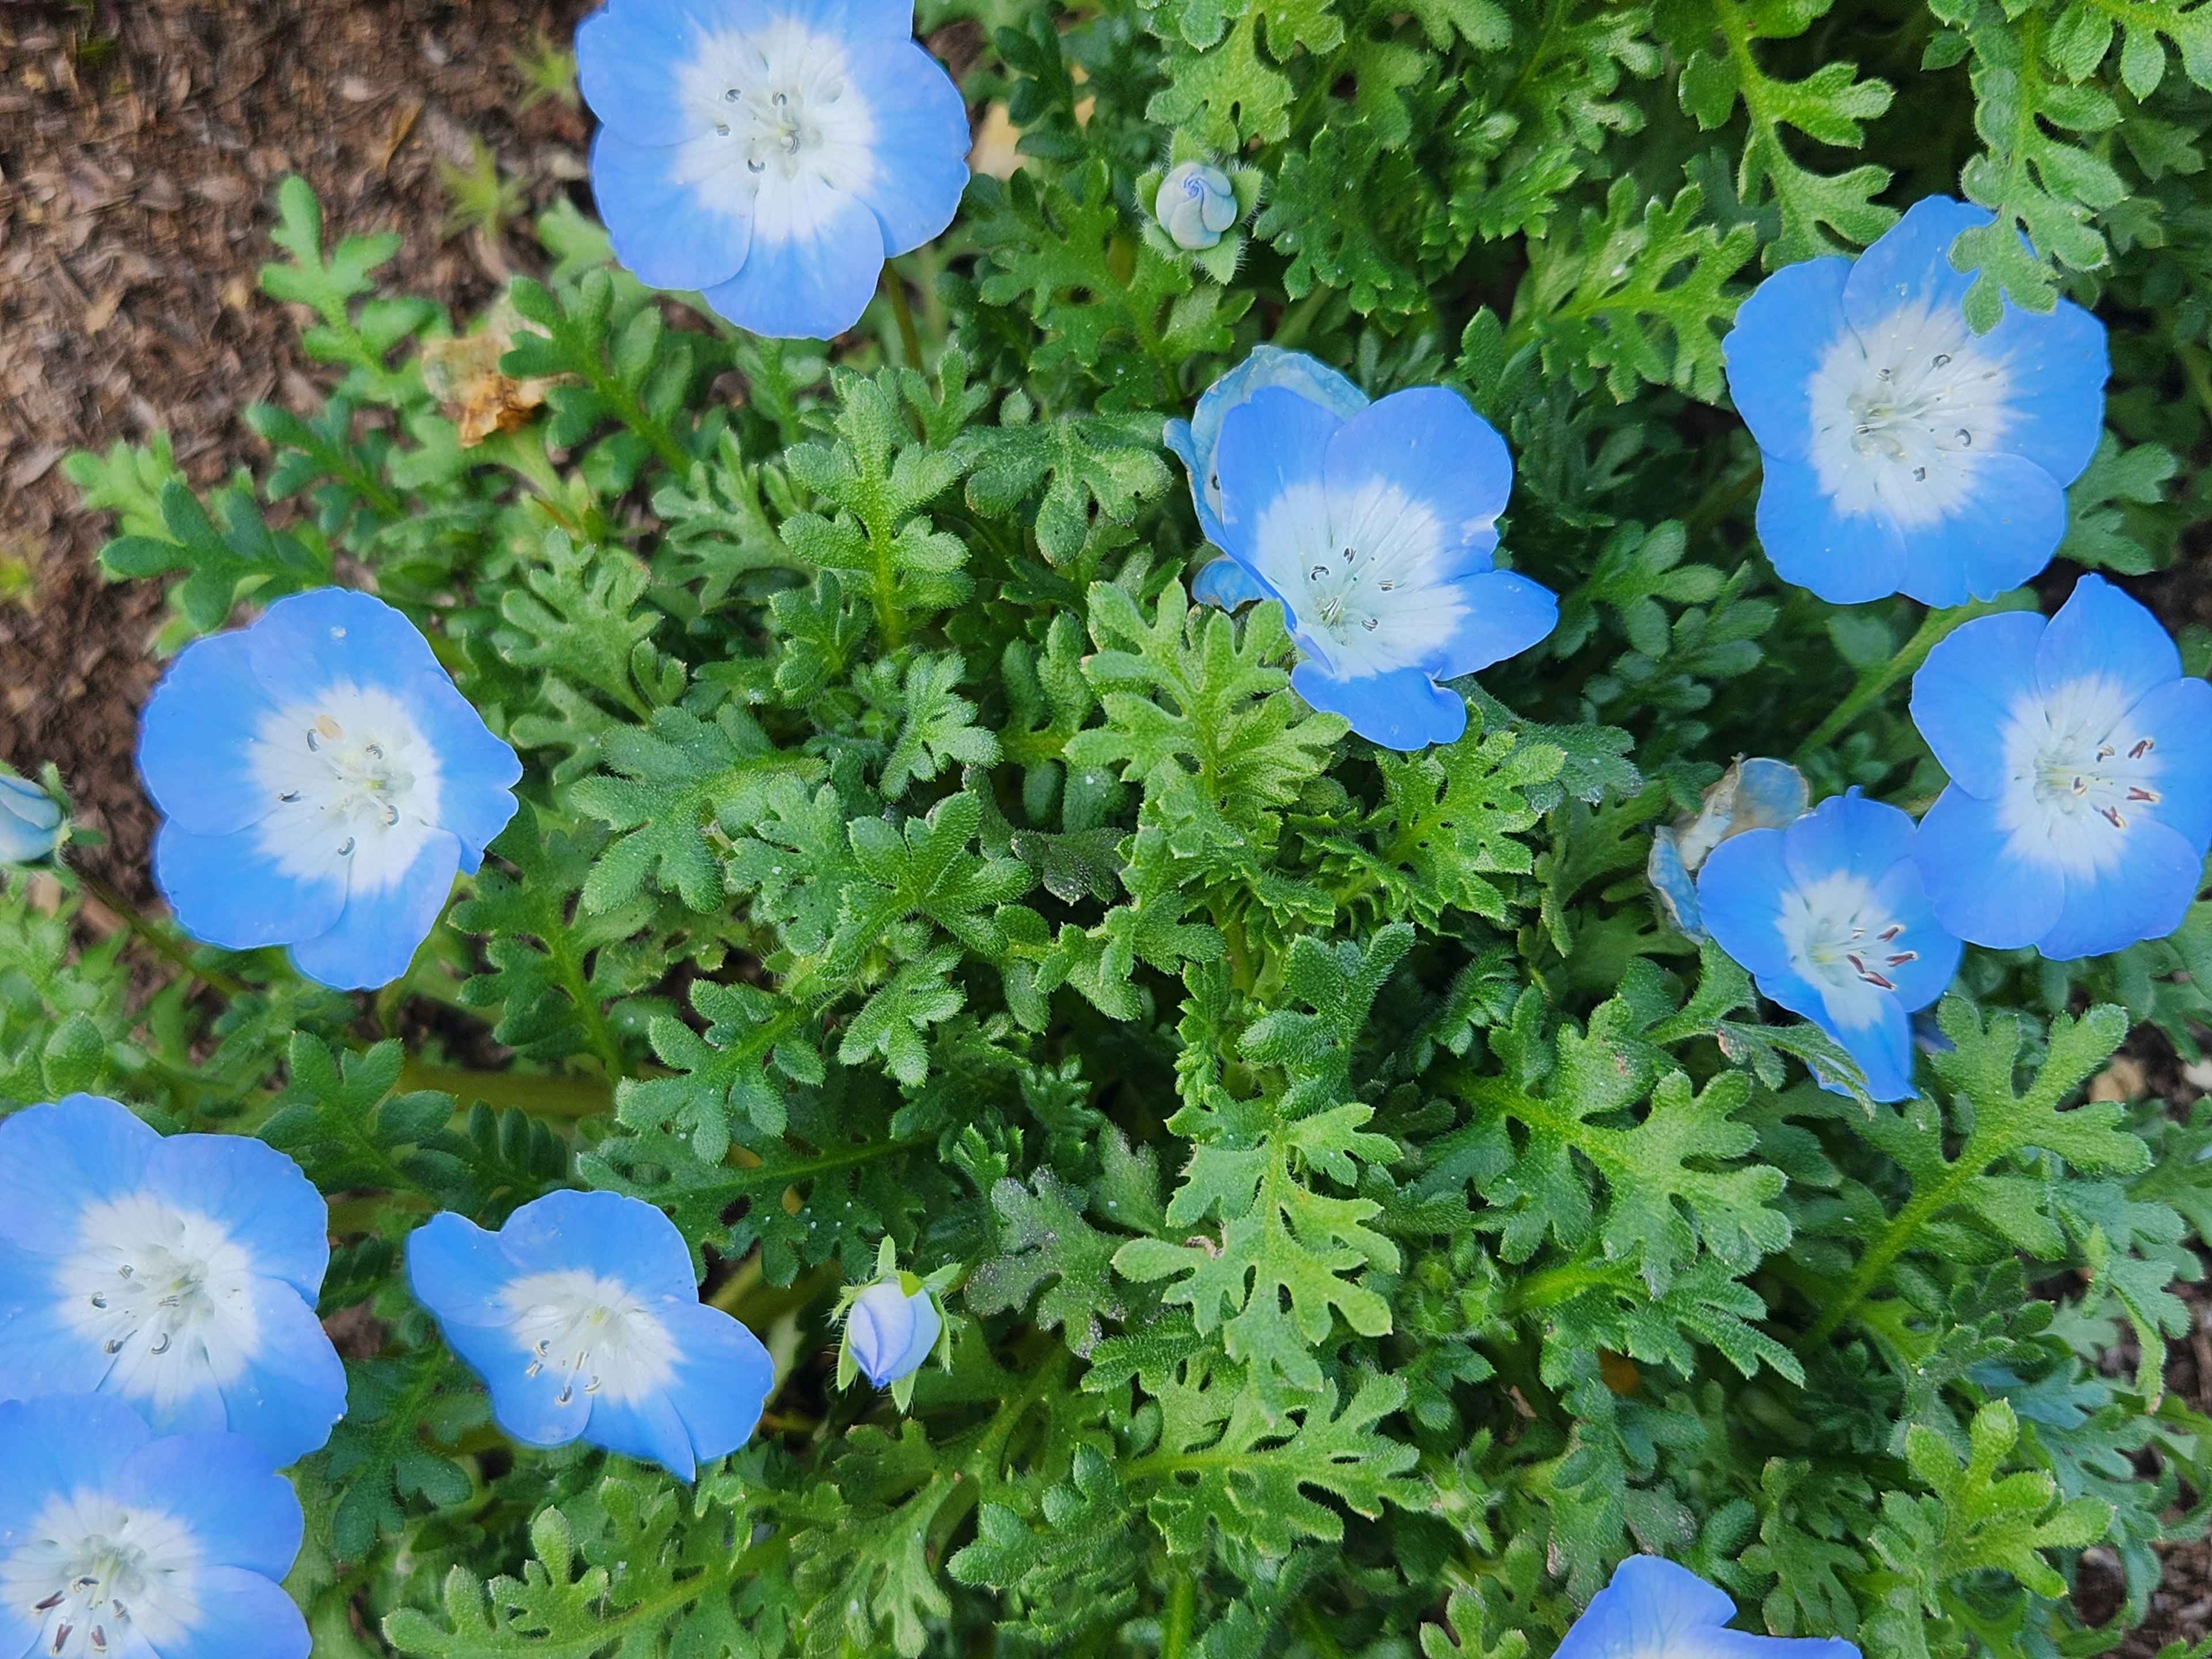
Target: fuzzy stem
x,y
909,337
1876,680
161,943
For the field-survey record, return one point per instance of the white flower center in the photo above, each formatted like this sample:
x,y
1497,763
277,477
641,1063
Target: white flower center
x,y
783,128
356,788
166,1293
2079,773
1901,414
99,1578
1844,947
598,1332
1362,575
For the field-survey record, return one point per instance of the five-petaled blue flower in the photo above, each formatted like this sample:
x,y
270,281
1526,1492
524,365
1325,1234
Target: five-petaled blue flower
x,y
177,1275
116,1543
322,782
2079,804
582,1318
1905,453
1830,918
769,153
1376,532
890,1330
1654,1610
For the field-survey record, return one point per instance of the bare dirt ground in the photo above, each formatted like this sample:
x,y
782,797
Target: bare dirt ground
x,y
139,145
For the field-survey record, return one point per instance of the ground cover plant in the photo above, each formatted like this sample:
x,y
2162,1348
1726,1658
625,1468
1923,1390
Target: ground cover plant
x,y
1116,982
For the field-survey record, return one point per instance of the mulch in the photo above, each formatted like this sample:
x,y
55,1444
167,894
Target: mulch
x,y
140,144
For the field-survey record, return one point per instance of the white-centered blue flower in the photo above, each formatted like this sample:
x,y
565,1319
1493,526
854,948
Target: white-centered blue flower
x,y
2079,804
177,1275
890,1328
31,824
582,1318
1830,918
321,781
1654,1610
1375,531
1194,204
770,154
116,1543
1905,453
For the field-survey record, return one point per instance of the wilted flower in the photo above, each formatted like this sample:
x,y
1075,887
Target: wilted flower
x,y
1752,794
769,156
1905,453
177,1275
114,1541
1654,1610
2079,804
31,821
583,1319
322,783
1830,918
1376,532
1196,202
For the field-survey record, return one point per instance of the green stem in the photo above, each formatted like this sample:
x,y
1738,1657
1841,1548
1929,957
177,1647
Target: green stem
x,y
159,942
539,1096
894,289
1876,680
1178,1616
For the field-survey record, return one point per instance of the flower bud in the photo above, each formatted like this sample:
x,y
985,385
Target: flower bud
x,y
30,821
890,1332
1195,204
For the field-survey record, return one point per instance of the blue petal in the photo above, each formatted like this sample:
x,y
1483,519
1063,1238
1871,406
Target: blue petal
x,y
628,54
2004,530
2145,894
525,1407
1770,794
378,932
879,1330
1935,950
2056,366
616,1237
1782,333
647,1429
1846,560
679,216
336,636
2100,631
1270,365
242,1615
921,141
926,1326
228,891
857,20
196,735
57,1159
1274,443
1740,899
1228,583
41,1351
1980,889
295,1389
1883,1049
1847,832
722,1382
476,771
1429,444
1742,1645
1177,436
2178,717
57,1444
1964,696
1405,709
457,1270
1677,892
241,1512
1650,1606
809,286
1910,263
259,1197
1506,614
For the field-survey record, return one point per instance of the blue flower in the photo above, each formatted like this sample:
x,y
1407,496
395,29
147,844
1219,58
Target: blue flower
x,y
114,1541
1196,203
1654,1610
2079,804
31,823
1903,453
1376,532
890,1328
582,1318
1830,918
322,782
769,153
178,1276
1192,440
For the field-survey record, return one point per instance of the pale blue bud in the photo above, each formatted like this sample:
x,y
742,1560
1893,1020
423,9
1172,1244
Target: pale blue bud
x,y
30,821
890,1332
1195,204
